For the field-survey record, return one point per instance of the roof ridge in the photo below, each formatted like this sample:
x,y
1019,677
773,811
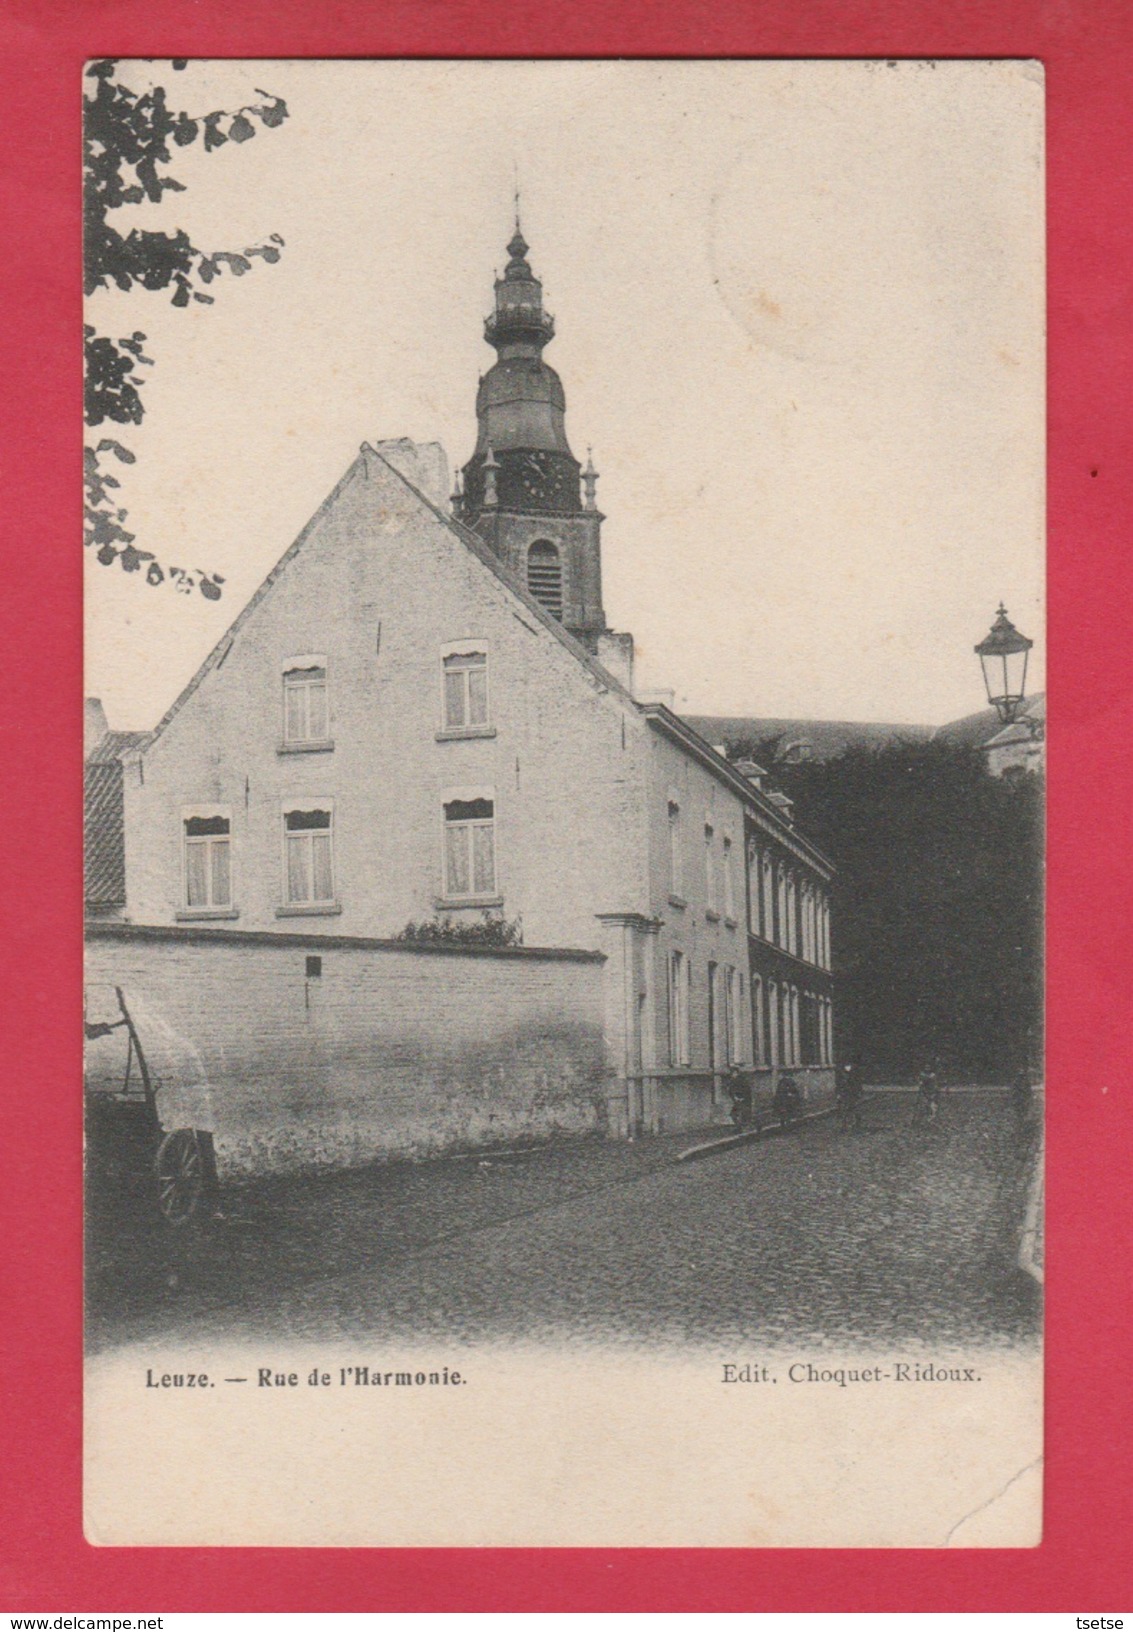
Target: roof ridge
x,y
219,650
471,541
491,560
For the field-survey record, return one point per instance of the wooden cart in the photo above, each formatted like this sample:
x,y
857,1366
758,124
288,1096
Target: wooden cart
x,y
130,1155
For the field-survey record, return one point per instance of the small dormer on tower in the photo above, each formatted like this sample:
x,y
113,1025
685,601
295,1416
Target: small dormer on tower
x,y
523,487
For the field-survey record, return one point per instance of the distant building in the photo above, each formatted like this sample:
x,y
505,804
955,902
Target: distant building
x,y
1019,745
104,834
802,739
1022,744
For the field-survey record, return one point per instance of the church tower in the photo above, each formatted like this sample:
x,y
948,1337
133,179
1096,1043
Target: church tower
x,y
524,491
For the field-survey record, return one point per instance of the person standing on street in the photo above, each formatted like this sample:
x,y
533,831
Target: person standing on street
x,y
928,1097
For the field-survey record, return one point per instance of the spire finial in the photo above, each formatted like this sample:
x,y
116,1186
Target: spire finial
x,y
590,481
491,466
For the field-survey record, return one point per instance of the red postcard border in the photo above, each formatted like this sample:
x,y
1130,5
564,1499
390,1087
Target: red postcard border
x,y
1084,1560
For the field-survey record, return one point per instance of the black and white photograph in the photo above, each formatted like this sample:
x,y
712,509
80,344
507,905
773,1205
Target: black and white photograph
x,y
564,802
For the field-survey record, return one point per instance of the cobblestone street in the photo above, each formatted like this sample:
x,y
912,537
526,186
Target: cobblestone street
x,y
819,1236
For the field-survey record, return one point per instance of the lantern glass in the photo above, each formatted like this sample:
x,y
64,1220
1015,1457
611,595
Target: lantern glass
x,y
1003,654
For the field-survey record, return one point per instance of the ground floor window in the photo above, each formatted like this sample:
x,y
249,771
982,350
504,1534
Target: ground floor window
x,y
811,1030
774,1031
758,1023
735,1012
787,1031
678,1009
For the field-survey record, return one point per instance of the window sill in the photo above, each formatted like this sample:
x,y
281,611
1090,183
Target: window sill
x,y
198,915
452,903
712,915
459,733
314,909
319,745
678,901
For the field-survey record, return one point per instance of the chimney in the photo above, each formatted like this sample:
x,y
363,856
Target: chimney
x,y
663,695
425,464
783,804
95,725
615,653
752,772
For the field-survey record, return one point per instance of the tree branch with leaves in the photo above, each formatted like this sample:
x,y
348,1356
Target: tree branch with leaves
x,y
129,142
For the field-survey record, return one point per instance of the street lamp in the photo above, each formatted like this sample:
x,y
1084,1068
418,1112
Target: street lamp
x,y
1003,656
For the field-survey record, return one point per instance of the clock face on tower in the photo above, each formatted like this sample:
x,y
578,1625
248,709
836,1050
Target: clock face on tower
x,y
533,475
538,480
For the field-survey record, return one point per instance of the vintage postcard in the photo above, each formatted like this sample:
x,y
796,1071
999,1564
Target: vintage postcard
x,y
564,803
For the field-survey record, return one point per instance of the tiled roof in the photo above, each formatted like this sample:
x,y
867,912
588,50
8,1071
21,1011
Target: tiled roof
x,y
113,745
104,839
104,836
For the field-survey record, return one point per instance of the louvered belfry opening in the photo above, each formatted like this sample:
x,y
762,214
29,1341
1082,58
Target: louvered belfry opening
x,y
545,577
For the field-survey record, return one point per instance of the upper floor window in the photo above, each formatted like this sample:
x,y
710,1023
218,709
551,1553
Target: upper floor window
x,y
545,576
470,847
676,868
729,882
208,860
305,714
710,867
768,922
308,843
465,689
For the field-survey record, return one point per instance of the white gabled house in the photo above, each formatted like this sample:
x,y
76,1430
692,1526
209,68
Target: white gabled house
x,y
421,719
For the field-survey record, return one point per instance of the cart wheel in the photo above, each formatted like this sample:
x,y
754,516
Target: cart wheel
x,y
180,1175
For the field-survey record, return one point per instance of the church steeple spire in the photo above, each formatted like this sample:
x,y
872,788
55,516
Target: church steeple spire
x,y
519,327
522,485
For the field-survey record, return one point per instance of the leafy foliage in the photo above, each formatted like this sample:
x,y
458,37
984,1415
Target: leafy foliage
x,y
129,139
937,906
488,931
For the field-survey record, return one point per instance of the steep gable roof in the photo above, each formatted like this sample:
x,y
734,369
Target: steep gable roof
x,y
471,541
682,732
488,558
